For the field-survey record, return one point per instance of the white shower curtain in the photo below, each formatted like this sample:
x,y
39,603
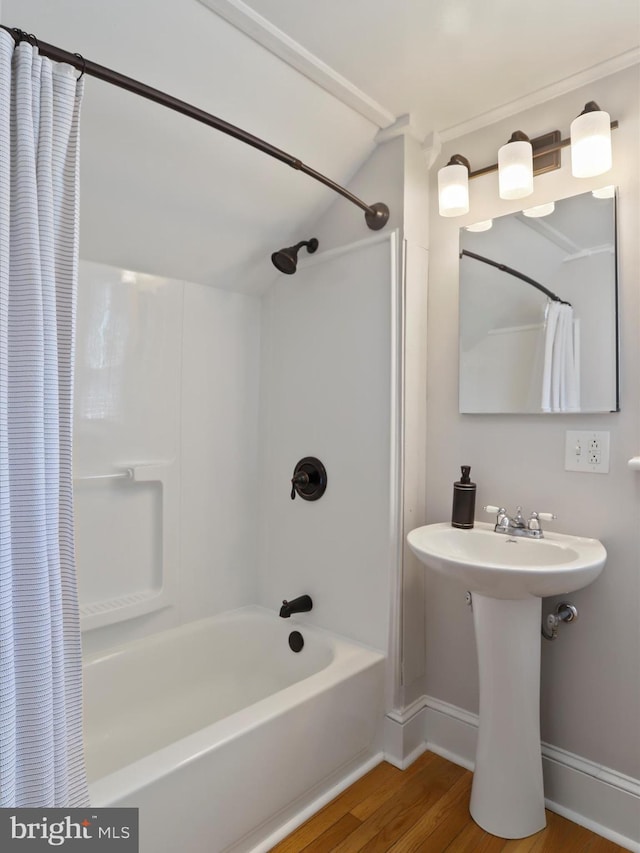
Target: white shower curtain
x,y
561,370
41,752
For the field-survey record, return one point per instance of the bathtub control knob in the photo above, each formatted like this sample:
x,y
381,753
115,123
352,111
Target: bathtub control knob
x,y
309,479
299,479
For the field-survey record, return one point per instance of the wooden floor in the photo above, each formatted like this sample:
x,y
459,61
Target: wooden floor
x,y
423,808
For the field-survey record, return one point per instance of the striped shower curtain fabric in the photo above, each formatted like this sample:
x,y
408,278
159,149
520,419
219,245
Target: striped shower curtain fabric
x,y
41,752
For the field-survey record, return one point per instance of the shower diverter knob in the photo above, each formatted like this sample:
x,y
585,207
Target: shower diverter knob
x,y
309,479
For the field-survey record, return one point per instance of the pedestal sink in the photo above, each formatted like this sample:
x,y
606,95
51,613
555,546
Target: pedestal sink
x,y
508,577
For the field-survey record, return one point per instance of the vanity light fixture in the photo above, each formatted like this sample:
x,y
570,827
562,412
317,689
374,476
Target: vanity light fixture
x,y
485,225
522,158
453,187
591,142
515,167
539,210
604,192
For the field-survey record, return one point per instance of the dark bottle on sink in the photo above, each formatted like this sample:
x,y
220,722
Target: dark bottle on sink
x,y
464,500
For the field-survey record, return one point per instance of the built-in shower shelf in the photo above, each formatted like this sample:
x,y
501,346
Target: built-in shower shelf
x,y
129,604
142,602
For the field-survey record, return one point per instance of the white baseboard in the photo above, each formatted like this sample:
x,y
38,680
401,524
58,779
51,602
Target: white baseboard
x,y
593,796
403,735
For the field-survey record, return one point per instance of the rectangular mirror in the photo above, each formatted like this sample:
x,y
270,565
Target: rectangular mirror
x,y
538,309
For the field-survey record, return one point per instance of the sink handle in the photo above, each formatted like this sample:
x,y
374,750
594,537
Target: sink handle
x,y
500,511
545,516
533,522
502,519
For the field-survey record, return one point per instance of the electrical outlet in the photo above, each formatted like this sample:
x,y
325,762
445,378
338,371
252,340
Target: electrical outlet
x,y
594,452
588,451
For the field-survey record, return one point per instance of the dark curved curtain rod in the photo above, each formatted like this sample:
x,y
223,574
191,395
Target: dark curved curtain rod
x,y
517,274
376,215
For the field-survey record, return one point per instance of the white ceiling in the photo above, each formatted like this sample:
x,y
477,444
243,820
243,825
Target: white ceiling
x,y
163,194
447,61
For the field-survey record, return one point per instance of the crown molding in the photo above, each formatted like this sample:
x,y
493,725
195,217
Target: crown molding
x,y
547,93
431,147
249,22
402,126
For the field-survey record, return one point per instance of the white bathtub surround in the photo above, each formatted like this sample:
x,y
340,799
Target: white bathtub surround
x,y
330,351
227,714
127,442
41,755
166,387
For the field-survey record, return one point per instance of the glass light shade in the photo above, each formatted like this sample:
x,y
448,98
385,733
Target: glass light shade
x,y
604,192
515,169
453,190
591,144
539,210
485,225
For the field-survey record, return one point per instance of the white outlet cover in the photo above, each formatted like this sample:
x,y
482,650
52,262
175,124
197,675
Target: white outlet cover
x,y
587,451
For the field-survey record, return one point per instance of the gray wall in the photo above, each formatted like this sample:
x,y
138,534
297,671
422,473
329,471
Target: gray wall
x,y
590,685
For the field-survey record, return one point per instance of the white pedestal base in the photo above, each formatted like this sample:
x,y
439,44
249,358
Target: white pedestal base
x,y
507,797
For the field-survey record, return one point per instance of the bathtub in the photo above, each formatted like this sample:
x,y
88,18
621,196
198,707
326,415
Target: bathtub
x,y
223,736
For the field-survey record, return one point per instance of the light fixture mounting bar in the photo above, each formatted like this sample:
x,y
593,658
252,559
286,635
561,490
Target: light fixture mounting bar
x,y
543,146
546,152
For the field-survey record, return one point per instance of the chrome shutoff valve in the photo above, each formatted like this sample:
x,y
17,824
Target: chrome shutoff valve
x,y
564,612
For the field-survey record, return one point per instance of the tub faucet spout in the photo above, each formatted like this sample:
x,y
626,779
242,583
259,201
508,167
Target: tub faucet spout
x,y
302,604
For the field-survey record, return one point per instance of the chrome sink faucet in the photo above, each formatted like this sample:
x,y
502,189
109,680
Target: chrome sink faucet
x,y
517,526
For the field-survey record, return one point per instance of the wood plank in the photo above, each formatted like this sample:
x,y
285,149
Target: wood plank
x,y
603,845
440,824
424,809
337,808
384,792
331,837
524,845
473,839
400,812
562,834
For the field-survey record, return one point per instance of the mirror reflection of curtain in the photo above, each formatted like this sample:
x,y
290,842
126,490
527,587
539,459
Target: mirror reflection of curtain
x,y
572,252
561,371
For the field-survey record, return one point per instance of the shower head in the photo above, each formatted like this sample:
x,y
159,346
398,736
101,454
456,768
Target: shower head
x,y
286,260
